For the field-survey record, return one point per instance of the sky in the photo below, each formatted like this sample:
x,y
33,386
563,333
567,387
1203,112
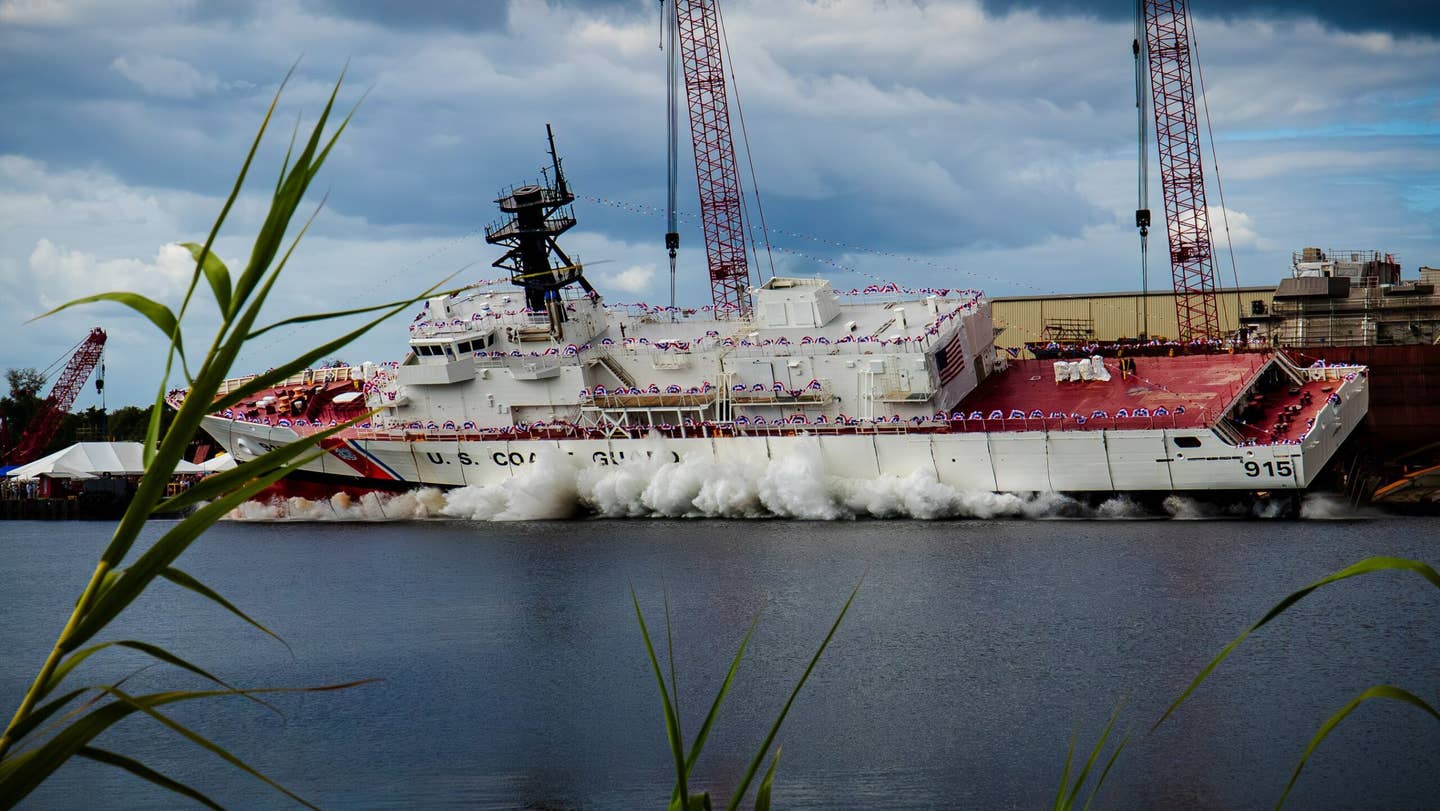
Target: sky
x,y
956,143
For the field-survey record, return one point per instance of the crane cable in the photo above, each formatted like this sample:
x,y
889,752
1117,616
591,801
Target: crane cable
x,y
52,370
672,148
1215,162
1140,48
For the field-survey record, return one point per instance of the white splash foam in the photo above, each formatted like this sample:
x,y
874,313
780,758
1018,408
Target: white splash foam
x,y
411,505
1185,508
650,484
544,490
1119,508
1327,507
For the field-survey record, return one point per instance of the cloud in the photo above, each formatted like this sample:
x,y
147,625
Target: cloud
x,y
59,274
955,143
1241,230
162,76
634,279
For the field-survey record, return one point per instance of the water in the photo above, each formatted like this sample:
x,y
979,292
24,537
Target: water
x,y
515,677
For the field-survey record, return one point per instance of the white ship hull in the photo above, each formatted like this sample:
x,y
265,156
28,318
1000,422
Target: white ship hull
x,y
1014,461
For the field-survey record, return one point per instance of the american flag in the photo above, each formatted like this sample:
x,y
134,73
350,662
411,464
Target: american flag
x,y
950,358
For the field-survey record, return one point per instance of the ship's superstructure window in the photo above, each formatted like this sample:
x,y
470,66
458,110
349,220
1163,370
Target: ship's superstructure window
x,y
475,344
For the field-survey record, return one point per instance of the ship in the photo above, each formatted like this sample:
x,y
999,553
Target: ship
x,y
881,381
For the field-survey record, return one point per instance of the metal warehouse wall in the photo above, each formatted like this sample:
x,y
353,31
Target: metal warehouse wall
x,y
1111,315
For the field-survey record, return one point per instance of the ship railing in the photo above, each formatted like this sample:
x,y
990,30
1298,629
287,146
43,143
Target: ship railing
x,y
309,377
484,323
1331,373
505,229
650,400
814,349
554,431
651,349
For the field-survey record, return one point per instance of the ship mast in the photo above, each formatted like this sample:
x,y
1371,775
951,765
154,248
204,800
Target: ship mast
x,y
539,214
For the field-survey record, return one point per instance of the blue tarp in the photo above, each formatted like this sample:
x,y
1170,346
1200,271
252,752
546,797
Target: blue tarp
x,y
5,469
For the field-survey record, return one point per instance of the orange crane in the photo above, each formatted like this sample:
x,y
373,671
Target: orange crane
x,y
62,396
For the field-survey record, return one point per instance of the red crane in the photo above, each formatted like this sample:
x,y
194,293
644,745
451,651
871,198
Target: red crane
x,y
721,206
1182,180
62,396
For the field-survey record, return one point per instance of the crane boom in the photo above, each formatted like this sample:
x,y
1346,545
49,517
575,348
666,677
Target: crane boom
x,y
62,396
721,206
1182,179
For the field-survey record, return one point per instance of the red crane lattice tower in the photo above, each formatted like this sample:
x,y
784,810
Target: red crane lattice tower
x,y
1182,180
721,208
62,397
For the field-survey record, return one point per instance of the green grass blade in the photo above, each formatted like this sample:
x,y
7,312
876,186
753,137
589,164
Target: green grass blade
x,y
219,484
719,699
93,700
672,726
157,652
159,557
1065,773
1114,756
22,773
186,581
289,151
283,205
1366,566
306,319
205,743
238,300
154,651
1090,761
215,272
146,773
674,681
70,663
330,105
1378,691
155,312
304,361
775,728
762,794
37,716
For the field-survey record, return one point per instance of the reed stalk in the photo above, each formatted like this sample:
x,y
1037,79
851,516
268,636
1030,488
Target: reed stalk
x,y
30,752
681,798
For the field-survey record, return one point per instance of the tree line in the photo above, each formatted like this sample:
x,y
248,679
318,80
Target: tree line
x,y
23,402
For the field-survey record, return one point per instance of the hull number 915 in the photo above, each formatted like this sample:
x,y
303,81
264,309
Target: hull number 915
x,y
1282,469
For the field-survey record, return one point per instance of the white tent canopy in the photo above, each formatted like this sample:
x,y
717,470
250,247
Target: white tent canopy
x,y
86,460
219,464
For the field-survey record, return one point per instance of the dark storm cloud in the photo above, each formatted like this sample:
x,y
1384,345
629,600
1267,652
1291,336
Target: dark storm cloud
x,y
1399,17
